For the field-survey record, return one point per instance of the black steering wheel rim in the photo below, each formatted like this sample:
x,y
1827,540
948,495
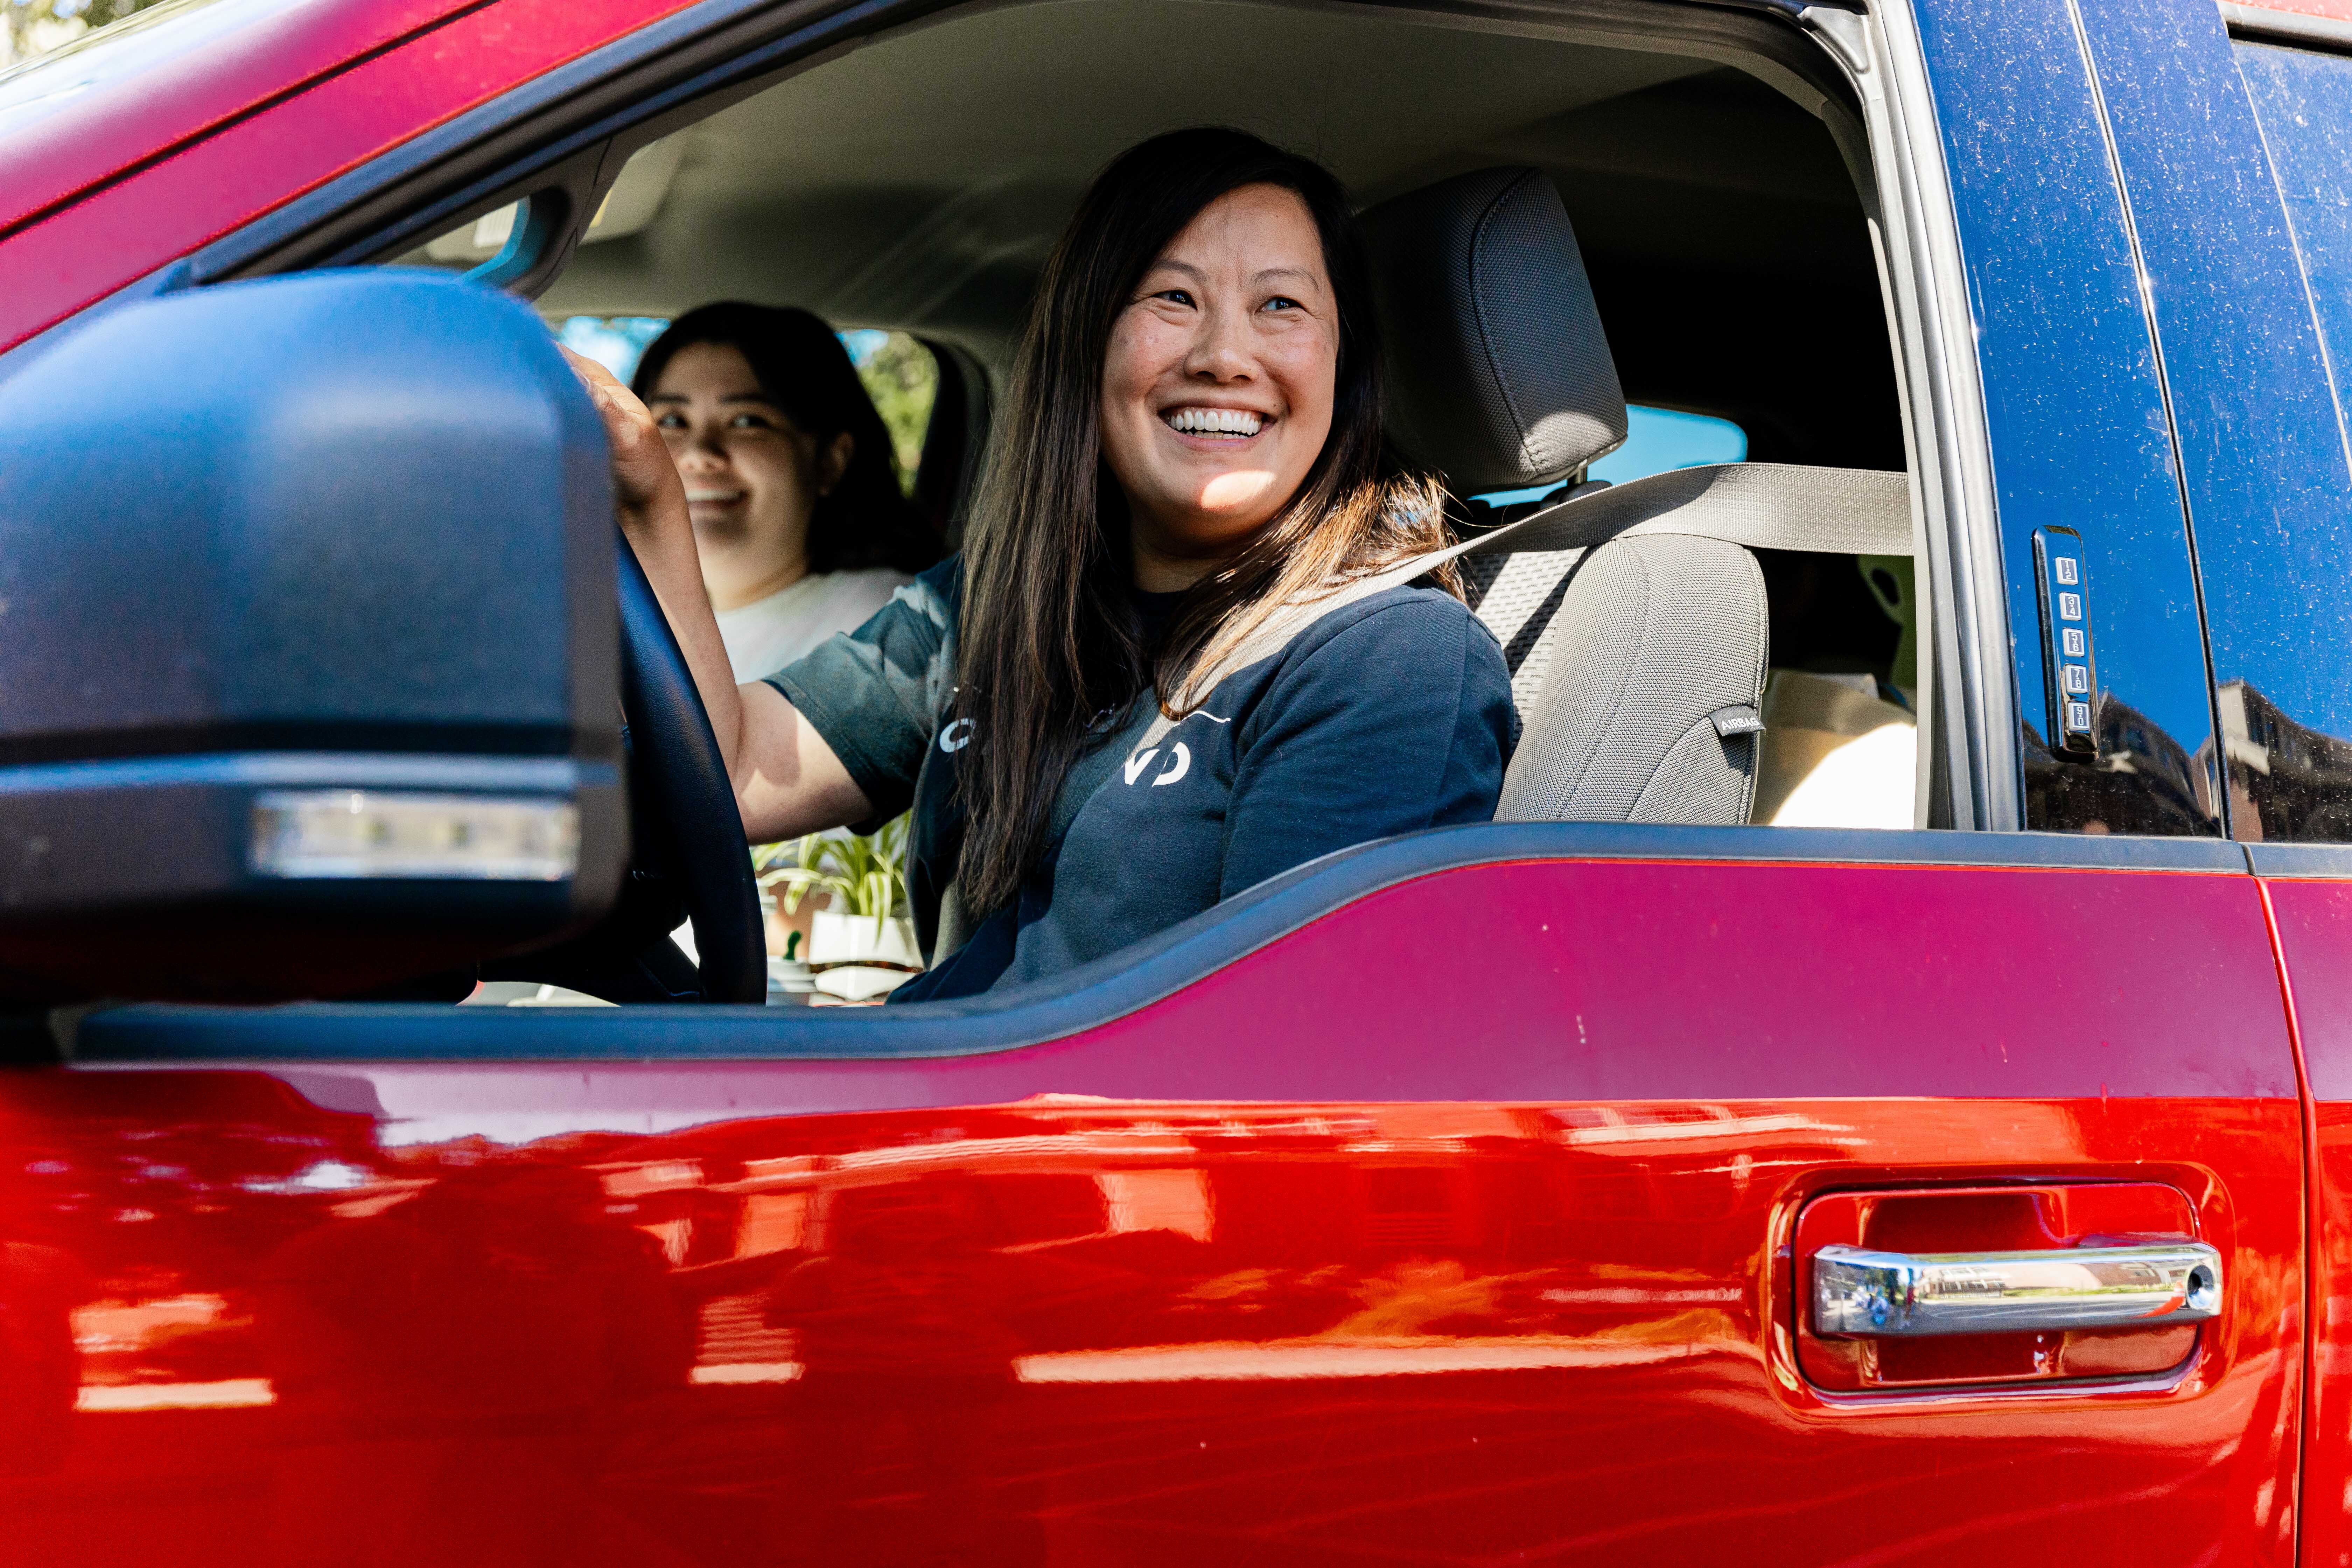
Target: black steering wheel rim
x,y
676,760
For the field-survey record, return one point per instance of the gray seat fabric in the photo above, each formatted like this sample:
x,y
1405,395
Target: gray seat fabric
x,y
1633,619
1500,374
1652,637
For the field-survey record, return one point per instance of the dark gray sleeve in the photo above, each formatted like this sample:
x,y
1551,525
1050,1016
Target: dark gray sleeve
x,y
875,694
1398,720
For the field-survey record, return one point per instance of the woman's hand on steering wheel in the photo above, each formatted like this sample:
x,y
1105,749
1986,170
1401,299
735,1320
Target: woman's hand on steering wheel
x,y
680,765
649,501
647,490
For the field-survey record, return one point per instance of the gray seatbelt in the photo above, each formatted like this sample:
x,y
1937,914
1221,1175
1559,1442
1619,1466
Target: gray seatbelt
x,y
1762,506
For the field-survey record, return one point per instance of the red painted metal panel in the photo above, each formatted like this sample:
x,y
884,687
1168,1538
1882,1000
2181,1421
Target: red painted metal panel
x,y
1373,1246
162,210
129,106
2313,924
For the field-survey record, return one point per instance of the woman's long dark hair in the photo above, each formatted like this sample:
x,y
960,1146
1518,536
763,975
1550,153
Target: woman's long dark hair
x,y
865,519
1049,641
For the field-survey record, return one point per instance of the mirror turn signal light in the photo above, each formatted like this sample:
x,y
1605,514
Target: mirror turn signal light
x,y
354,834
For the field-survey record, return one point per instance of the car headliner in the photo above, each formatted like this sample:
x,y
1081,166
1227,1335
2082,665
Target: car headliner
x,y
918,181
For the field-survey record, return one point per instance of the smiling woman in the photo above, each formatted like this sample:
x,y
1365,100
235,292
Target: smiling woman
x,y
1185,648
1217,385
799,520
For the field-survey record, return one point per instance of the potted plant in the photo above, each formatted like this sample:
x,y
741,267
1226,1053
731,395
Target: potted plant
x,y
863,944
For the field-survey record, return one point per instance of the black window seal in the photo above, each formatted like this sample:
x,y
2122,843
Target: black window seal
x,y
1084,998
2256,23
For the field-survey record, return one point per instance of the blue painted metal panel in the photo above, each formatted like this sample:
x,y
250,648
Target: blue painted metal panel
x,y
2072,399
2304,102
2262,455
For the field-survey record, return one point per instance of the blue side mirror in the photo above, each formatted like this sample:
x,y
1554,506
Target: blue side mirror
x,y
307,644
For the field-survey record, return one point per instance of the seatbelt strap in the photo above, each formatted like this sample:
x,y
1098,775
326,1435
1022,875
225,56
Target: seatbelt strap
x,y
1761,506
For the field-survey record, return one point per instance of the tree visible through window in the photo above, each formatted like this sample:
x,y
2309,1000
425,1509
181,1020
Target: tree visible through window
x,y
899,374
31,28
903,379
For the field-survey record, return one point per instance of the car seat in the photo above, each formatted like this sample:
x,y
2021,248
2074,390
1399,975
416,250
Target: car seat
x,y
1633,617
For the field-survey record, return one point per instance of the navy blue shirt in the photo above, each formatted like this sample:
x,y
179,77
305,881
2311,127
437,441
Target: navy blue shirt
x,y
1388,714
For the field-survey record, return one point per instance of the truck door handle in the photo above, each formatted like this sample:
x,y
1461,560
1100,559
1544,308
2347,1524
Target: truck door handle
x,y
1859,1292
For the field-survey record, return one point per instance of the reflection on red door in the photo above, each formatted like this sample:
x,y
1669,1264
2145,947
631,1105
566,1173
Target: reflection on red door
x,y
2314,925
1336,1256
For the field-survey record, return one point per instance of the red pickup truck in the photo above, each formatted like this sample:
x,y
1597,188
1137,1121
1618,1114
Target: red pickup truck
x,y
1804,1166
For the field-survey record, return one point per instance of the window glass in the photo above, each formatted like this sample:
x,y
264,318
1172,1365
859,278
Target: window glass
x,y
479,240
1656,439
616,343
900,375
32,28
903,379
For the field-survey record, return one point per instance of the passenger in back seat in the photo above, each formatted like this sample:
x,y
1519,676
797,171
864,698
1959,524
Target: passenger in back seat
x,y
798,518
1186,649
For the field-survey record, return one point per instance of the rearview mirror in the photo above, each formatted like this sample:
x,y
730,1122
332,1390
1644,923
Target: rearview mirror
x,y
307,644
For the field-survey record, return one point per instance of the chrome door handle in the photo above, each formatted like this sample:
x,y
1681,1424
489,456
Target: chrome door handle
x,y
1858,1292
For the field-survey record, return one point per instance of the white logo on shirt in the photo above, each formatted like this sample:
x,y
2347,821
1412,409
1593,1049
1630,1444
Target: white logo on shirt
x,y
957,736
1179,763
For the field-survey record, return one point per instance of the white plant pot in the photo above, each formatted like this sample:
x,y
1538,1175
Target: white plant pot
x,y
859,982
852,939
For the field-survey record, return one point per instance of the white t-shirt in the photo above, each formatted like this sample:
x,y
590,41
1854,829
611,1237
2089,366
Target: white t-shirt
x,y
768,633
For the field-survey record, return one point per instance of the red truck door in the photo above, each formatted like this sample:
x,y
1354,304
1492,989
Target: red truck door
x,y
2247,137
1364,1248
1473,1211
2307,890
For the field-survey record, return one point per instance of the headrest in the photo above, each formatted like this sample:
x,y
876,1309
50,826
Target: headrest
x,y
1500,374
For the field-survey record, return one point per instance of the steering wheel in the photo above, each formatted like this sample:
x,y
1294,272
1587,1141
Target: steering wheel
x,y
687,858
683,816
